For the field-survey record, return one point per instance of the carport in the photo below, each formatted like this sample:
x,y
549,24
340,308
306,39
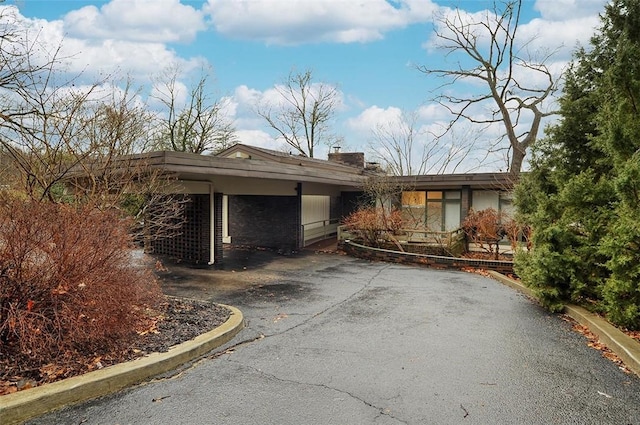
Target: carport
x,y
255,197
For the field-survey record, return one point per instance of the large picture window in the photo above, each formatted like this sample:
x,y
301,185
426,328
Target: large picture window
x,y
435,210
414,209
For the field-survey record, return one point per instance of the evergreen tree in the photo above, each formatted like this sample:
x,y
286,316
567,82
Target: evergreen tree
x,y
582,195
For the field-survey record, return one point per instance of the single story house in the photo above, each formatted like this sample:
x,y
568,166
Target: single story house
x,y
252,196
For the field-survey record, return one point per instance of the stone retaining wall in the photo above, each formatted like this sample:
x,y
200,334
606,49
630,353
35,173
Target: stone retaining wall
x,y
433,261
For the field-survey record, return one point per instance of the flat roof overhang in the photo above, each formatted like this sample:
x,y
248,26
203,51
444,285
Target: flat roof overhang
x,y
478,181
251,176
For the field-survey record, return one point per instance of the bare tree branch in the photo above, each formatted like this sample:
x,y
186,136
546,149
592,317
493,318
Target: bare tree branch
x,y
490,56
302,118
404,149
67,142
198,125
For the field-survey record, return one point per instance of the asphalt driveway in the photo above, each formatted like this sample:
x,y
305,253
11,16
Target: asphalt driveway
x,y
336,340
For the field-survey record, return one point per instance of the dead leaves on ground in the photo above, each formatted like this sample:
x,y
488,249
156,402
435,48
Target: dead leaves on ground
x,y
595,343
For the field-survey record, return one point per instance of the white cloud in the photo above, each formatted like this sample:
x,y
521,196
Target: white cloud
x,y
240,107
152,21
246,96
249,99
99,55
560,37
139,59
372,117
228,107
563,25
458,18
258,138
253,129
160,94
291,22
433,112
562,10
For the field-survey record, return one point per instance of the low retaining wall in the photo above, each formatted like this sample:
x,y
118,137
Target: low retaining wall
x,y
433,261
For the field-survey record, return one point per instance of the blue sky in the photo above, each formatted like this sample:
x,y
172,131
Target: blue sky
x,y
366,48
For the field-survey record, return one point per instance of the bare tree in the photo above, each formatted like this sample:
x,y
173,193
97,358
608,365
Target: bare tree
x,y
65,141
39,121
304,112
196,124
405,149
508,70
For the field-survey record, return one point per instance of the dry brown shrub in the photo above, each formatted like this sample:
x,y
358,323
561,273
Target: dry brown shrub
x,y
373,225
67,282
484,227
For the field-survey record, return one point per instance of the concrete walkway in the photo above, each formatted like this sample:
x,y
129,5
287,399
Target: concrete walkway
x,y
335,340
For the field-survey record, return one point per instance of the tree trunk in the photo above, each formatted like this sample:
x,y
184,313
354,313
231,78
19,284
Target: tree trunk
x,y
517,159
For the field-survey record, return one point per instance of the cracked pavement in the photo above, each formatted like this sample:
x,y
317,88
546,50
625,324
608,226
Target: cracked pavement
x,y
336,340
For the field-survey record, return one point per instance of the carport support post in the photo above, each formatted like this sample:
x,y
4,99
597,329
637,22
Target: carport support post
x,y
213,225
299,216
216,224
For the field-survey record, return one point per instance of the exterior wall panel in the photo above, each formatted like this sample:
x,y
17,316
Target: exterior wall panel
x,y
264,221
315,208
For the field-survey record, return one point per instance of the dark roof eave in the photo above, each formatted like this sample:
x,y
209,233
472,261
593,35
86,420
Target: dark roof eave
x,y
503,181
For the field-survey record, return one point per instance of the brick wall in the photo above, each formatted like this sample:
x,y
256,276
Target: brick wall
x,y
265,221
355,159
351,201
335,207
193,243
433,261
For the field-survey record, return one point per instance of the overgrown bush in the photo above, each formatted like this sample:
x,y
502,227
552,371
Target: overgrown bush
x,y
484,227
488,227
67,283
373,225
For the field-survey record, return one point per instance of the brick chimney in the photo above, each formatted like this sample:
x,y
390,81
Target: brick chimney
x,y
354,159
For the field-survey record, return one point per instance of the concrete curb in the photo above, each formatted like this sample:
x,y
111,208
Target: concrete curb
x,y
625,347
22,405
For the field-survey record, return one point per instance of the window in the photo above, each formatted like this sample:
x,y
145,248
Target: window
x,y
435,210
506,204
443,210
499,201
413,199
413,209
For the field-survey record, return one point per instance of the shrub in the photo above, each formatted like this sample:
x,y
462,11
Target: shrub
x,y
488,227
67,283
484,227
373,225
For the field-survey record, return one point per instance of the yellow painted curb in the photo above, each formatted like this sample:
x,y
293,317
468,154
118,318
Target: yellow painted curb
x,y
22,405
625,347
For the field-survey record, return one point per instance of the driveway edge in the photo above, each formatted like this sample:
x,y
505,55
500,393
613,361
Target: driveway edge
x,y
22,405
625,347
